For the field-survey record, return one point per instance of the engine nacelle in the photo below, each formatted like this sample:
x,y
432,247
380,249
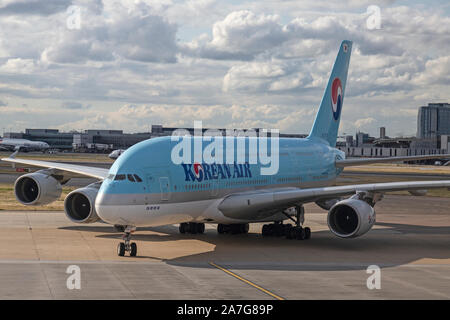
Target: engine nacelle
x,y
37,188
351,218
79,205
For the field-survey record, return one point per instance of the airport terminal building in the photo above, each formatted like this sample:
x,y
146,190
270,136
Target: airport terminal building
x,y
55,138
105,140
433,137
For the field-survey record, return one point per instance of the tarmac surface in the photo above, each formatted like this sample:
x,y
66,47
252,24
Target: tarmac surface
x,y
410,243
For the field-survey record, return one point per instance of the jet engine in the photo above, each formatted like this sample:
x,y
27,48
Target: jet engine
x,y
37,189
351,218
79,205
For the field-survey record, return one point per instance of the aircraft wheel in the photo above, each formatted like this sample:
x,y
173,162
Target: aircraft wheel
x,y
192,228
220,228
307,233
235,228
289,232
265,230
133,249
279,230
200,228
300,233
245,227
121,249
182,227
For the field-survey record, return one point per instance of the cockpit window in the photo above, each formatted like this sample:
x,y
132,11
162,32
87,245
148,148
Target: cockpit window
x,y
119,177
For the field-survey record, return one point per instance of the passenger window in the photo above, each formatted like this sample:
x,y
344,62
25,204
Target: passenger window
x,y
138,179
130,177
120,177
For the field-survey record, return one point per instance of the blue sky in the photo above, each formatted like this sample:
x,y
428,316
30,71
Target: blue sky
x,y
232,64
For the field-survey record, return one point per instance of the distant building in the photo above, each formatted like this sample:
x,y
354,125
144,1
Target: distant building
x,y
104,140
362,139
433,121
117,139
55,139
445,142
382,133
349,141
114,139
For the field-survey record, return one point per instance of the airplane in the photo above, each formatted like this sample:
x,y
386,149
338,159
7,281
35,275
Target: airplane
x,y
115,154
144,187
23,144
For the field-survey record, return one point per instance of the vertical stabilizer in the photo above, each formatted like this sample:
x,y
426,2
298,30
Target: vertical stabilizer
x,y
327,120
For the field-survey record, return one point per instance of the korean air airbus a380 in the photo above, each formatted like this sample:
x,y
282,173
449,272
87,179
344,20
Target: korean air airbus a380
x,y
145,187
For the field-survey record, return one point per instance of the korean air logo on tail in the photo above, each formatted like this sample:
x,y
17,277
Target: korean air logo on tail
x,y
336,98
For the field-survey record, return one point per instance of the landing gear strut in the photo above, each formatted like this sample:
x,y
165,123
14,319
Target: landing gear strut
x,y
127,246
279,229
192,228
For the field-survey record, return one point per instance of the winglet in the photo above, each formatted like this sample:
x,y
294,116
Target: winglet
x,y
13,155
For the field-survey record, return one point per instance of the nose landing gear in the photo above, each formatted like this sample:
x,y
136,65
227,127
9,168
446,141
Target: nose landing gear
x,y
127,246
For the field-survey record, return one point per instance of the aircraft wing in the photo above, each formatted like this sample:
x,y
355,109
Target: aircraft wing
x,y
258,203
93,172
364,161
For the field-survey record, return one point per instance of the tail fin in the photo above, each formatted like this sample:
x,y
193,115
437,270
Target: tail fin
x,y
328,117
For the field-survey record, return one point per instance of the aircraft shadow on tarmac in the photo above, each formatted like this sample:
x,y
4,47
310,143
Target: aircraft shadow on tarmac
x,y
393,244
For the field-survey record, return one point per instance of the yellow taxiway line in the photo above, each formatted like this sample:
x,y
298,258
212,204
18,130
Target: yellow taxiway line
x,y
247,281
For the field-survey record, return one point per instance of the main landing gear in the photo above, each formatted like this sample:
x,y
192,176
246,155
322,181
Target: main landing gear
x,y
192,228
232,228
289,231
127,246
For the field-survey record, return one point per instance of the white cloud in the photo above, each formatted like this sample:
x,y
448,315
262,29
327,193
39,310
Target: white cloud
x,y
133,34
437,71
364,122
19,66
231,64
140,117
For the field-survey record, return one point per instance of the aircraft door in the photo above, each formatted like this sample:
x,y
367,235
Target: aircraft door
x,y
214,187
158,181
164,184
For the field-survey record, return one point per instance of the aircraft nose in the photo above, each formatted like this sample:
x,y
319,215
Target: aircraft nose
x,y
105,206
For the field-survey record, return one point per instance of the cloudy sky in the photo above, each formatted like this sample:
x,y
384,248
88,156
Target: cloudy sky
x,y
79,64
